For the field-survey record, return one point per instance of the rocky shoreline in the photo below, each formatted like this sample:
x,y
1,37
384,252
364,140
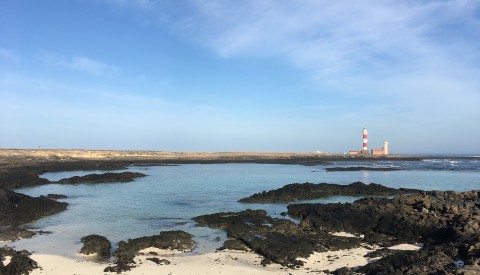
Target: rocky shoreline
x,y
446,223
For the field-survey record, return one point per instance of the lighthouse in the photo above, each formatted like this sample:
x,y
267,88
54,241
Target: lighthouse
x,y
365,140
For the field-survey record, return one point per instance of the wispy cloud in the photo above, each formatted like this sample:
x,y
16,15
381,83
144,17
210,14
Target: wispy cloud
x,y
77,63
338,43
331,38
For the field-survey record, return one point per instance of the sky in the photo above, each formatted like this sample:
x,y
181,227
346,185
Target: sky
x,y
241,75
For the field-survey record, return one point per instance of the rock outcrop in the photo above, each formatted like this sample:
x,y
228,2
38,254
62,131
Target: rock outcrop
x,y
310,191
20,263
126,251
277,240
103,178
95,244
446,222
16,208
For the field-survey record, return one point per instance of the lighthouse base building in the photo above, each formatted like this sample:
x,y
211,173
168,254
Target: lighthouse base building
x,y
383,151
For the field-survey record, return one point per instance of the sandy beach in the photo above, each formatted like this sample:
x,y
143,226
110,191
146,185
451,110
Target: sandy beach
x,y
227,262
221,262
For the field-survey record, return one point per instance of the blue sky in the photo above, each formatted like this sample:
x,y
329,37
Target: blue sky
x,y
247,75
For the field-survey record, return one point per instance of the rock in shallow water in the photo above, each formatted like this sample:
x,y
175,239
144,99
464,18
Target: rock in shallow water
x,y
103,178
310,191
16,208
15,233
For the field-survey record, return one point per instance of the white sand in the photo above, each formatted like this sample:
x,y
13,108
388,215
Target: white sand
x,y
6,260
409,247
346,234
223,262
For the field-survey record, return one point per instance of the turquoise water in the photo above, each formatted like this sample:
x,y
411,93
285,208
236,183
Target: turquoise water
x,y
170,196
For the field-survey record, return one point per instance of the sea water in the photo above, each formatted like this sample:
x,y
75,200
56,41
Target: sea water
x,y
169,196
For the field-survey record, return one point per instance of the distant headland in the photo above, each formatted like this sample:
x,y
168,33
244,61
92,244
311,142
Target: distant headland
x,y
12,156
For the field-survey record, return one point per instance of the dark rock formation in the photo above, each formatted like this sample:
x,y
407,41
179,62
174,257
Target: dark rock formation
x,y
103,178
311,191
233,244
448,223
126,251
16,209
95,244
17,177
361,168
25,172
20,262
278,240
15,233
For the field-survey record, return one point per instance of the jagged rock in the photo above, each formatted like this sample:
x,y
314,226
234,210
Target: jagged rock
x,y
20,262
399,218
443,220
311,191
103,178
15,233
95,244
277,240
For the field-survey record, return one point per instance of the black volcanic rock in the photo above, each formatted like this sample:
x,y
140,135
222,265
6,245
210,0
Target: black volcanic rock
x,y
19,264
16,208
15,233
277,240
103,178
446,222
95,244
311,191
126,251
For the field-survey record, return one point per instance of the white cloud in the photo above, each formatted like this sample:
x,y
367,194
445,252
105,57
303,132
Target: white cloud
x,y
334,41
78,63
333,37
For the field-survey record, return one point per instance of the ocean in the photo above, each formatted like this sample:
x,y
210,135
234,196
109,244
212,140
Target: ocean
x,y
170,196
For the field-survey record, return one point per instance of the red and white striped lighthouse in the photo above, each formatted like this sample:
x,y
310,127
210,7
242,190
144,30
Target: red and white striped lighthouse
x,y
365,139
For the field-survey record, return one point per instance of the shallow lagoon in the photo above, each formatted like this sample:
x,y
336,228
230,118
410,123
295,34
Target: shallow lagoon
x,y
170,196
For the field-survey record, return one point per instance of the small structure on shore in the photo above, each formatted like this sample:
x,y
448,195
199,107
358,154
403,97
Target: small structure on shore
x,y
364,151
383,151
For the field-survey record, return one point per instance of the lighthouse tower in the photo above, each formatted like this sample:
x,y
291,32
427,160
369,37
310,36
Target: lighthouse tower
x,y
365,140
